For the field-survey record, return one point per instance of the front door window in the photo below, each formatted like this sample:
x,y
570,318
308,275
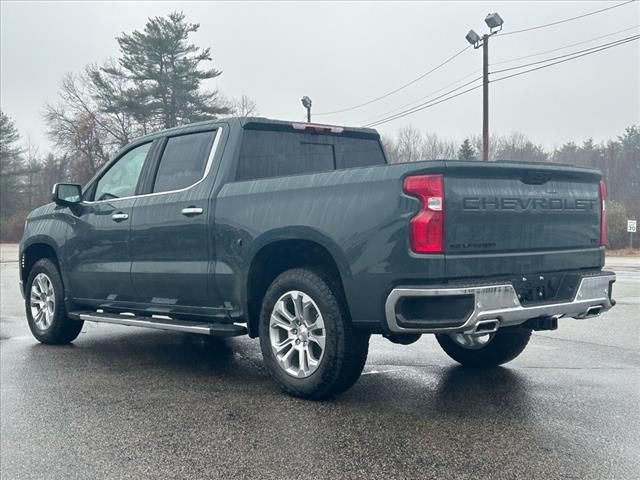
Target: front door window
x,y
122,178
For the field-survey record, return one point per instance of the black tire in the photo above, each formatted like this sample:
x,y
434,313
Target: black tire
x,y
346,349
62,329
506,344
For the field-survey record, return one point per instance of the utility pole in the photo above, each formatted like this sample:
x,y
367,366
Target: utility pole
x,y
485,97
494,22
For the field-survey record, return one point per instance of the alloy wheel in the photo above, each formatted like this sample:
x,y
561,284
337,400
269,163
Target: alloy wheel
x,y
297,334
43,301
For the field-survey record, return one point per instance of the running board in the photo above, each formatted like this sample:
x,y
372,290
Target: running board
x,y
165,323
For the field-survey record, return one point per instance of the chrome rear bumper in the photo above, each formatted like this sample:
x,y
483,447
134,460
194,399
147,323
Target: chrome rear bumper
x,y
498,305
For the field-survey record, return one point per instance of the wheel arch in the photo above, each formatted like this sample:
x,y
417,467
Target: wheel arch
x,y
284,250
35,249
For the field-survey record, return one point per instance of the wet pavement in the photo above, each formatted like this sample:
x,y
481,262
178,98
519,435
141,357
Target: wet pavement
x,y
123,402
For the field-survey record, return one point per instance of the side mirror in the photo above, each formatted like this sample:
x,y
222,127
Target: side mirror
x,y
67,194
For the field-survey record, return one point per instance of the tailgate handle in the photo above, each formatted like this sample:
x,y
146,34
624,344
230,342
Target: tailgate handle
x,y
536,177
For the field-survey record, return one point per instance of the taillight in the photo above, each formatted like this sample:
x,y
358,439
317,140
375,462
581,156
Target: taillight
x,y
426,230
603,216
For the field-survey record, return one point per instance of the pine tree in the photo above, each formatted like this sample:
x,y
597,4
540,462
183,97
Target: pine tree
x,y
165,75
11,166
466,151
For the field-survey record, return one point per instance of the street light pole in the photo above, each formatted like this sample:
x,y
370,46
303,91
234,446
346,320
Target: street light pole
x,y
306,103
494,22
485,98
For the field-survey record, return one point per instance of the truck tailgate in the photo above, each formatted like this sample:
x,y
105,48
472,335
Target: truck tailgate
x,y
503,218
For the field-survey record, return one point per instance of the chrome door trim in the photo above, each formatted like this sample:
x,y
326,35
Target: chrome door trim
x,y
207,169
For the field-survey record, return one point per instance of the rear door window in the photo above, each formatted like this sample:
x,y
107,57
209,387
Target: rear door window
x,y
267,153
183,161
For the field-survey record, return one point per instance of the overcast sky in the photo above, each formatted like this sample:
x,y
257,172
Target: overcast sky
x,y
343,54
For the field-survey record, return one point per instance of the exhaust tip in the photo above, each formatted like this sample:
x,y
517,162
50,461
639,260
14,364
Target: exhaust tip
x,y
594,311
484,327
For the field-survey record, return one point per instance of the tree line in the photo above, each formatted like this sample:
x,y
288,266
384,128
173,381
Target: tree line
x,y
157,82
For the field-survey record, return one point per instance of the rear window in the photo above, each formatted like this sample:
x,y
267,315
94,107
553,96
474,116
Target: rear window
x,y
265,153
183,161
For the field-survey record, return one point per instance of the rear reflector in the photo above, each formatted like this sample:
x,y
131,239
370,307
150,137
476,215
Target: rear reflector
x,y
426,229
317,127
603,216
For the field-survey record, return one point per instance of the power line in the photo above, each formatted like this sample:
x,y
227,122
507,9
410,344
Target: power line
x,y
546,25
433,103
498,71
382,115
630,39
451,58
423,107
546,60
566,46
430,103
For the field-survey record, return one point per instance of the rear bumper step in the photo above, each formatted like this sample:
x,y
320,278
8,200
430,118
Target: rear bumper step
x,y
217,329
483,309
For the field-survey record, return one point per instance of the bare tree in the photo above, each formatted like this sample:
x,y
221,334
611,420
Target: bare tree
x,y
434,148
409,145
244,107
81,129
80,135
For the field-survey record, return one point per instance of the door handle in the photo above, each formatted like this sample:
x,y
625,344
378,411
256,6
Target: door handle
x,y
119,217
192,211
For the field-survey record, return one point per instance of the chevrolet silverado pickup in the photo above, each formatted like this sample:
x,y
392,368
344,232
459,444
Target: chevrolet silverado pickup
x,y
302,235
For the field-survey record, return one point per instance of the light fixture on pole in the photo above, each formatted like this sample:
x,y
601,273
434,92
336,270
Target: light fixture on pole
x,y
494,22
306,103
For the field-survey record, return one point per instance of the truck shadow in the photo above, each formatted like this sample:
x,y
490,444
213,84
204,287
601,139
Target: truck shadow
x,y
451,391
483,392
145,348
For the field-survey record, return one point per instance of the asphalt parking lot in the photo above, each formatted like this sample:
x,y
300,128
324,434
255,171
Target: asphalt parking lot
x,y
123,402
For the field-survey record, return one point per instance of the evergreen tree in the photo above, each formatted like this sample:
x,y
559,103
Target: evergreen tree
x,y
466,151
11,166
165,75
630,183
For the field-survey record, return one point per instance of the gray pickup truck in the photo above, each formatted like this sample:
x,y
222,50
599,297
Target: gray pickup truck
x,y
302,235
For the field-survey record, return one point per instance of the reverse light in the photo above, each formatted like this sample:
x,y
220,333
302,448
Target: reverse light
x,y
603,213
426,229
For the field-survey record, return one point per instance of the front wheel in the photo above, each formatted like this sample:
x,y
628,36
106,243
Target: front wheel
x,y
44,302
488,350
308,345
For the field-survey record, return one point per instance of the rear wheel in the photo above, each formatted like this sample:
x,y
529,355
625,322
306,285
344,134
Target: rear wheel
x,y
308,345
44,302
488,350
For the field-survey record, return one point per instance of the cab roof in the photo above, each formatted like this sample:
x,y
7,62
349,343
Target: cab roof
x,y
262,123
